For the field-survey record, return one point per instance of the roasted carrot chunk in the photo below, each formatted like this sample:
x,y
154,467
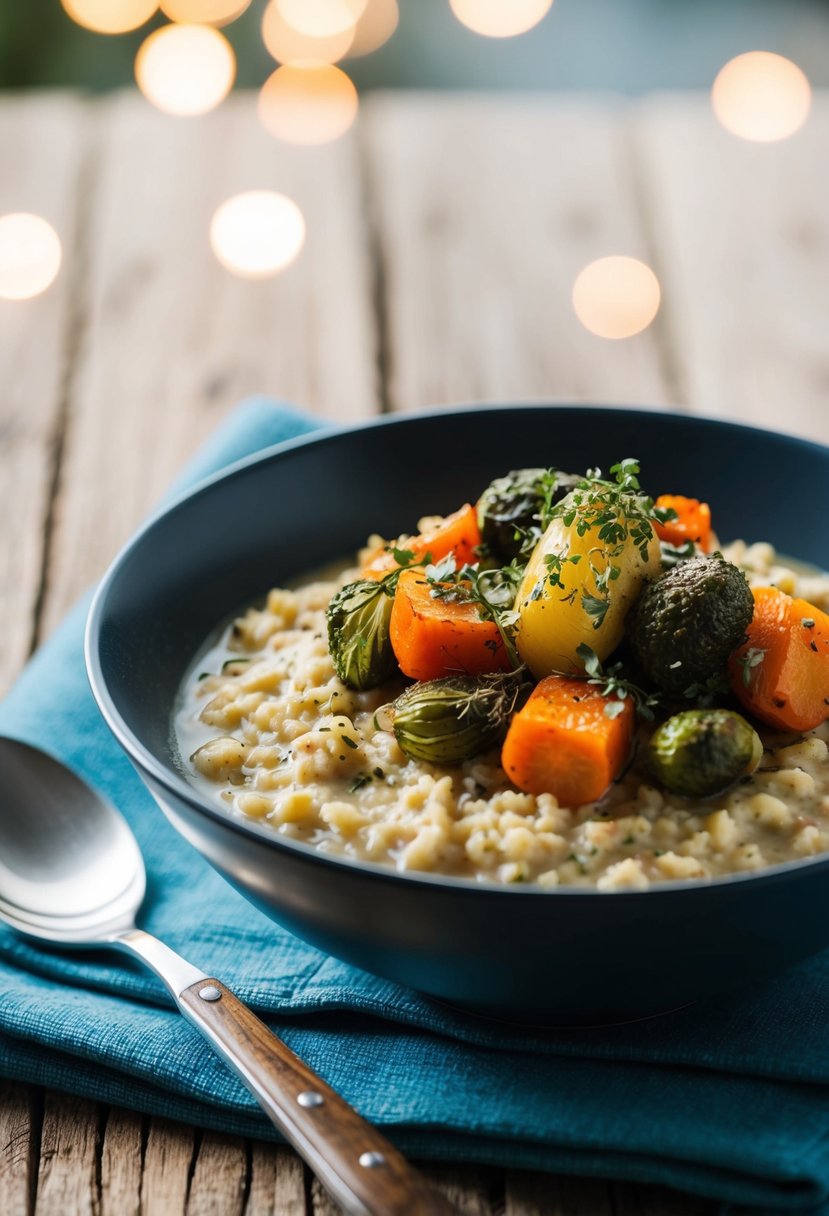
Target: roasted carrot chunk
x,y
563,743
693,521
457,533
433,637
781,673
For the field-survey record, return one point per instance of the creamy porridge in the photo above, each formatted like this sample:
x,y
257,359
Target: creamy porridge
x,y
274,735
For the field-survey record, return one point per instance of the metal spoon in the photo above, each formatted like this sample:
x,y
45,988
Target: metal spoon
x,y
71,874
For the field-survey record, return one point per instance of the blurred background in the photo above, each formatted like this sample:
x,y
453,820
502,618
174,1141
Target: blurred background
x,y
626,45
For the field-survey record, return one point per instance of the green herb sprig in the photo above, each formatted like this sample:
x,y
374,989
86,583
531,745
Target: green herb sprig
x,y
615,686
617,512
492,590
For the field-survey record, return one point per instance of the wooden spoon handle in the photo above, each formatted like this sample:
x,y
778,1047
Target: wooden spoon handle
x,y
358,1166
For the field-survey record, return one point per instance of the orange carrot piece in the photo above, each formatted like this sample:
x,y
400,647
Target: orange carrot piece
x,y
563,743
789,687
457,533
433,637
693,521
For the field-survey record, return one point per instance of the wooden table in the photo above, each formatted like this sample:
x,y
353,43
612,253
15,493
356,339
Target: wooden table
x,y
444,235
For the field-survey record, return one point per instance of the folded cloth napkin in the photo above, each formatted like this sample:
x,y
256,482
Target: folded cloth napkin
x,y
727,1099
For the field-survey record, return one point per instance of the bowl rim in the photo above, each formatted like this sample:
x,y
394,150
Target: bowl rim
x,y
176,785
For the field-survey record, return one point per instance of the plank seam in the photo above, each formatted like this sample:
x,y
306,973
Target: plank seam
x,y
76,324
36,1107
377,268
191,1169
669,361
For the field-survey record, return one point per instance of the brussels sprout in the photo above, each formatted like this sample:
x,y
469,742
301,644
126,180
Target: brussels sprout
x,y
510,505
684,625
450,720
700,752
358,634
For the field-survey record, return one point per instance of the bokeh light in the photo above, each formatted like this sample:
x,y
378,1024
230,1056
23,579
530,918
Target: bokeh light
x,y
321,18
110,16
761,97
500,18
375,27
30,255
185,69
616,297
204,12
308,103
287,44
257,234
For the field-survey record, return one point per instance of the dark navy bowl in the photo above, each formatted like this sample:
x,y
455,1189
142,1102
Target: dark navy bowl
x,y
522,953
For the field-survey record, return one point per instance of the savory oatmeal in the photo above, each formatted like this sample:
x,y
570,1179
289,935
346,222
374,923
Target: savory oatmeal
x,y
475,769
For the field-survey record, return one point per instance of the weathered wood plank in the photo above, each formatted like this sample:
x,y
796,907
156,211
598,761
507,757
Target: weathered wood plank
x,y
220,1178
171,340
19,1146
42,141
535,1194
486,210
277,1182
473,1190
168,1162
741,232
121,1163
69,1156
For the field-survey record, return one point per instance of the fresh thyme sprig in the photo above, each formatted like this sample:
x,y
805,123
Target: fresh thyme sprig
x,y
492,590
615,687
617,512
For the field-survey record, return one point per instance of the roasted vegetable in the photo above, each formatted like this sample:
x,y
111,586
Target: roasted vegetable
x,y
701,752
684,625
359,639
781,673
509,507
450,720
692,522
457,534
583,577
436,632
564,742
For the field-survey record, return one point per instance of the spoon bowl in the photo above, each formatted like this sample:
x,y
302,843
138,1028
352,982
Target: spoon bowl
x,y
72,874
70,868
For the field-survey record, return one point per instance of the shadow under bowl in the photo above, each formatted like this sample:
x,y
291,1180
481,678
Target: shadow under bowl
x,y
554,956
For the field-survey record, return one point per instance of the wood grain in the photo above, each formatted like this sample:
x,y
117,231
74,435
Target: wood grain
x,y
277,1182
170,340
121,1163
741,238
220,1177
19,1148
486,210
168,1161
69,1154
43,141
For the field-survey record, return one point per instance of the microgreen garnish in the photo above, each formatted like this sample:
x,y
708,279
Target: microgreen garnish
x,y
753,657
615,687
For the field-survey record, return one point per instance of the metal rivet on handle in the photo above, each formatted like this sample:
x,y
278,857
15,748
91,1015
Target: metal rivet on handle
x,y
309,1097
210,993
370,1161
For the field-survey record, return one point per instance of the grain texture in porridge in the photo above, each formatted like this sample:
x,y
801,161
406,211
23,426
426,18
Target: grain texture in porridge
x,y
276,737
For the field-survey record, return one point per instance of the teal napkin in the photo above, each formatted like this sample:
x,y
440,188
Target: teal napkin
x,y
726,1099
